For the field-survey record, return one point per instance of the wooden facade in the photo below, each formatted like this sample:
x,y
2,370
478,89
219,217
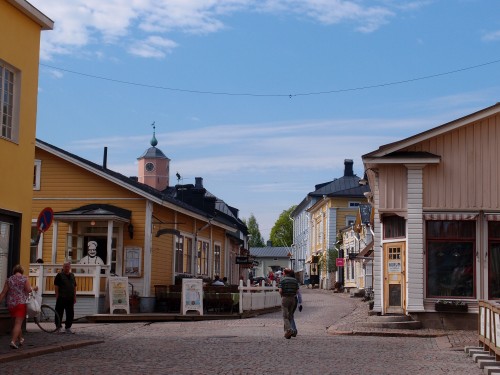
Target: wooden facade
x,y
438,183
20,31
142,233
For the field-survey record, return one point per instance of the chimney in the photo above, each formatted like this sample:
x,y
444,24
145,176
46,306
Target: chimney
x,y
348,171
198,184
105,158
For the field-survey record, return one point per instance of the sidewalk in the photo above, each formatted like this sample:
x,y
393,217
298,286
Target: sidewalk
x,y
349,325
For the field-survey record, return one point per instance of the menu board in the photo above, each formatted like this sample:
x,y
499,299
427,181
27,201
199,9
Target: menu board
x,y
192,296
118,294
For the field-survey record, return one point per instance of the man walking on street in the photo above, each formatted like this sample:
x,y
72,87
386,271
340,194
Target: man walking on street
x,y
65,288
288,290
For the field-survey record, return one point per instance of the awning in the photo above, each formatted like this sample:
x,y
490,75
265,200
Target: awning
x,y
449,216
367,251
492,217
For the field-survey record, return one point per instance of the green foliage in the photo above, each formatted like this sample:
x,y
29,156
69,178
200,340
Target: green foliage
x,y
282,232
256,239
328,261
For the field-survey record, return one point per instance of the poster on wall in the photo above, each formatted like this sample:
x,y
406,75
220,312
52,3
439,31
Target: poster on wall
x,y
118,294
192,296
132,262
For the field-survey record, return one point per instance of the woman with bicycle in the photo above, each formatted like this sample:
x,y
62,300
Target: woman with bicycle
x,y
17,288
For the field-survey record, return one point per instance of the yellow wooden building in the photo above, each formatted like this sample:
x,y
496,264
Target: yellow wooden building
x,y
336,206
20,28
141,228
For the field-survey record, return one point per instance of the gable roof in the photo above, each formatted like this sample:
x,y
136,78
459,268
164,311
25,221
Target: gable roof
x,y
164,198
270,252
391,149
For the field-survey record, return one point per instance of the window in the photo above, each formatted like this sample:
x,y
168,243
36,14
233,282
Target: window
x,y
353,204
216,259
494,260
36,174
188,255
349,220
34,243
8,102
394,227
203,247
450,258
179,253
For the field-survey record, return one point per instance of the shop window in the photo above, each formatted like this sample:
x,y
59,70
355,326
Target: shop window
x,y
494,260
188,255
203,248
450,258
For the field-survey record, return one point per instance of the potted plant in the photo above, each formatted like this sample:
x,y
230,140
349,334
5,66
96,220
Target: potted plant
x,y
450,306
134,302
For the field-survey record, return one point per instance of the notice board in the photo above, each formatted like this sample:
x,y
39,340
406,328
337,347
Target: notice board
x,y
192,296
118,294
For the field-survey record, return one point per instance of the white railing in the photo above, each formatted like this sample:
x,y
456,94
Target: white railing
x,y
258,297
90,279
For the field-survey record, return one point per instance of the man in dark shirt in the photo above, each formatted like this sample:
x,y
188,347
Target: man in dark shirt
x,y
65,288
288,290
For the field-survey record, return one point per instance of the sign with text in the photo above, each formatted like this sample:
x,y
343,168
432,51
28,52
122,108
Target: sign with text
x,y
118,294
340,262
192,296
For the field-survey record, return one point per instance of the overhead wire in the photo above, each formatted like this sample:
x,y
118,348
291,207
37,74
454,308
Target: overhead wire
x,y
290,95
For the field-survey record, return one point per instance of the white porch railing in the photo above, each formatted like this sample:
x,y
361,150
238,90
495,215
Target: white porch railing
x,y
258,297
90,279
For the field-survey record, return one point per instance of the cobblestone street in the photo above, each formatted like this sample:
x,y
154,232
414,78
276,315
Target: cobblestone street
x,y
245,346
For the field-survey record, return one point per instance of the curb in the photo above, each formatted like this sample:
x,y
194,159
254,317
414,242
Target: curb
x,y
384,333
34,352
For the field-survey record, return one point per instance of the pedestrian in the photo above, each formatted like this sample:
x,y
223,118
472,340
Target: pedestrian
x,y
17,288
65,288
288,288
298,302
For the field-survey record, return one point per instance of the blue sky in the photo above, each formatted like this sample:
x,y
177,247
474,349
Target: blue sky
x,y
262,98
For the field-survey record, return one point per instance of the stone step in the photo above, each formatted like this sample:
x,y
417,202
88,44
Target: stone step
x,y
487,362
489,370
411,324
469,348
389,318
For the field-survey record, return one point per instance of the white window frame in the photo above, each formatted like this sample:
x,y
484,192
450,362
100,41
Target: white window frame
x,y
353,204
14,117
350,220
37,172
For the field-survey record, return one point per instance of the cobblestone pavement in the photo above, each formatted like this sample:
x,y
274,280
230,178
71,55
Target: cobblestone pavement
x,y
243,346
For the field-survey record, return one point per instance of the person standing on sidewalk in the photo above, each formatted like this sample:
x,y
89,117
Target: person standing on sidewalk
x,y
298,302
65,288
288,288
16,288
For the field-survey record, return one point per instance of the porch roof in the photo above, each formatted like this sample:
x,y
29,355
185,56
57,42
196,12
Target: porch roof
x,y
95,211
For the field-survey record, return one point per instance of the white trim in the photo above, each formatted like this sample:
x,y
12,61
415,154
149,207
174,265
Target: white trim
x,y
33,13
38,172
148,228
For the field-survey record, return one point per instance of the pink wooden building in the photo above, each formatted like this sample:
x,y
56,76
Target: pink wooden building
x,y
436,197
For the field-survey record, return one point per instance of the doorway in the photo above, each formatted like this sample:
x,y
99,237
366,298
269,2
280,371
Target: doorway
x,y
394,278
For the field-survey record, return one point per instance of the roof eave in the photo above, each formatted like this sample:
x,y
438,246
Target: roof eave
x,y
33,13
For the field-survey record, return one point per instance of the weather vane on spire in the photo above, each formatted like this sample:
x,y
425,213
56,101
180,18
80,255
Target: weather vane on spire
x,y
154,142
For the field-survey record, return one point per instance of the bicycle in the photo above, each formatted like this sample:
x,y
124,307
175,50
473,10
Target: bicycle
x,y
46,318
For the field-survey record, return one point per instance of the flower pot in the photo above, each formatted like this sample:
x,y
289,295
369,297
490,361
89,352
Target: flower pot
x,y
134,305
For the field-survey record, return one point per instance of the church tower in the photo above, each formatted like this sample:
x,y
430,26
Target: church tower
x,y
154,166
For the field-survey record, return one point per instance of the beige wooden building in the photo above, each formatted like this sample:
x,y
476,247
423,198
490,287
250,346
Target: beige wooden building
x,y
436,197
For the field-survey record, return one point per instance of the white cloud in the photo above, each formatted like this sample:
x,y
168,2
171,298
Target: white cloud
x,y
80,23
491,36
153,46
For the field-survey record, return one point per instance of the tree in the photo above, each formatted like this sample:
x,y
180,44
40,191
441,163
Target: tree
x,y
282,231
256,239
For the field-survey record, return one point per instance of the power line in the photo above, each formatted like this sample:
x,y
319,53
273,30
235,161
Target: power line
x,y
274,95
